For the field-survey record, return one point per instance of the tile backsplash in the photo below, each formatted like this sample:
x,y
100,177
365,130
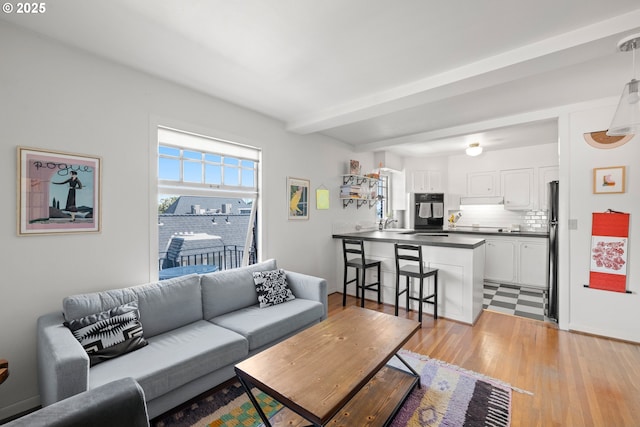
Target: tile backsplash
x,y
535,221
498,216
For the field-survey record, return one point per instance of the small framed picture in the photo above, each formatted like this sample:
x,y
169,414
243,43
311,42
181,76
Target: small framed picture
x,y
609,180
298,198
57,192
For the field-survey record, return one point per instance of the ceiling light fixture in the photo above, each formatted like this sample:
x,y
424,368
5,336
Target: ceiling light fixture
x,y
626,121
474,149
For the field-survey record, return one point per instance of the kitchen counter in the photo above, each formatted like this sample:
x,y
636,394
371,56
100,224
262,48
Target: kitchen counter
x,y
423,238
458,258
493,231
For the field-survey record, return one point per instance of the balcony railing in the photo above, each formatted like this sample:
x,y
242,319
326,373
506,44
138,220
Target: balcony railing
x,y
227,258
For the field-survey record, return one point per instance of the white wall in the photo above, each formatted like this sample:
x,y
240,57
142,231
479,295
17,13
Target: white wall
x,y
58,98
595,311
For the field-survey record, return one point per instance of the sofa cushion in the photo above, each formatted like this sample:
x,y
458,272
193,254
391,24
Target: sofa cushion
x,y
272,288
169,304
263,326
82,305
174,358
229,290
156,303
109,334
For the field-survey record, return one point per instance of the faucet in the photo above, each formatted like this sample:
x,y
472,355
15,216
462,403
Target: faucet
x,y
387,222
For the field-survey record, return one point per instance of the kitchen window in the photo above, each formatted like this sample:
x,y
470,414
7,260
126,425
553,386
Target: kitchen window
x,y
383,209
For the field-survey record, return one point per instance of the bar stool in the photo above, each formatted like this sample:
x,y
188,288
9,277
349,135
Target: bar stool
x,y
413,253
360,263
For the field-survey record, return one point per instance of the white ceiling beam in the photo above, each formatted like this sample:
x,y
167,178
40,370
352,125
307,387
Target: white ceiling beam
x,y
553,53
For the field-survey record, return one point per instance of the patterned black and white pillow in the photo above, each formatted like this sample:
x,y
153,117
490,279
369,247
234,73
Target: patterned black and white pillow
x,y
109,334
272,287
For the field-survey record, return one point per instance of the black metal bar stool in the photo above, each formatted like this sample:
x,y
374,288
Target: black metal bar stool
x,y
356,247
413,254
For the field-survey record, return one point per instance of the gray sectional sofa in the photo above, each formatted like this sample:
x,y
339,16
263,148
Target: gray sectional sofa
x,y
197,328
118,403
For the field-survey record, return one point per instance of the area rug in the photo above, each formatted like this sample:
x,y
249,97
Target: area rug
x,y
449,397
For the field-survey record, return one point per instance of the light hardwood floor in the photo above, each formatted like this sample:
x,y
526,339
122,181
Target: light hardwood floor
x,y
576,379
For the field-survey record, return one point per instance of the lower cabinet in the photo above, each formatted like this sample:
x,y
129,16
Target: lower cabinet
x,y
500,260
518,261
532,263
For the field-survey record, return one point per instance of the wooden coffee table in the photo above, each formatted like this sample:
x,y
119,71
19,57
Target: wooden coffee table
x,y
335,371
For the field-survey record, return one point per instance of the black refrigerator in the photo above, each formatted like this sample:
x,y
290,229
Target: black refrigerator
x,y
552,304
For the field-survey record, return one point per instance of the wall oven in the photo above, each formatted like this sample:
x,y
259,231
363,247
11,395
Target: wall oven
x,y
428,211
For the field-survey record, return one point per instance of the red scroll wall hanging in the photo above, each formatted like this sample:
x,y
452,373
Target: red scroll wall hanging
x,y
609,239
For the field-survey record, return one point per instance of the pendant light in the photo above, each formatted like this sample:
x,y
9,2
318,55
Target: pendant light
x,y
626,121
474,149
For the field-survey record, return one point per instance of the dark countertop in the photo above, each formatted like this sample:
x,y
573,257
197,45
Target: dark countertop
x,y
425,238
493,231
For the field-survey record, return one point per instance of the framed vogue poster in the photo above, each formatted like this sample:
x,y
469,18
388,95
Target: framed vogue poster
x,y
298,198
57,192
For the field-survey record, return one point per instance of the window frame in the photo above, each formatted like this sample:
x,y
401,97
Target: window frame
x,y
186,141
383,191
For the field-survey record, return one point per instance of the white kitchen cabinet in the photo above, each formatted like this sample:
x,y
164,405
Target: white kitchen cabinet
x,y
515,260
532,263
481,184
517,188
546,174
500,257
426,181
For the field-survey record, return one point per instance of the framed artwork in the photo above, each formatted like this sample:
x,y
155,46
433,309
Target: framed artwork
x,y
57,192
608,180
354,167
298,198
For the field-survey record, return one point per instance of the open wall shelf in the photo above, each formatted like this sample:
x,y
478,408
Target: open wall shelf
x,y
359,181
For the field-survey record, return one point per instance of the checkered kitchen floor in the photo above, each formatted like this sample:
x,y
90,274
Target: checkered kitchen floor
x,y
524,302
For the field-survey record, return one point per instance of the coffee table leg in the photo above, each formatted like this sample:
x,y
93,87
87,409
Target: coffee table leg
x,y
247,389
410,368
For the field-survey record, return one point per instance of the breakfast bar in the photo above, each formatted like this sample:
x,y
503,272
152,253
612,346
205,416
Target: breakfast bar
x,y
459,259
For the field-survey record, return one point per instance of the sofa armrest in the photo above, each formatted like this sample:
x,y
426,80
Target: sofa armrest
x,y
63,365
118,403
309,287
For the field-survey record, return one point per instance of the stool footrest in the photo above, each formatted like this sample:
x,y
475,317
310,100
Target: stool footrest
x,y
424,299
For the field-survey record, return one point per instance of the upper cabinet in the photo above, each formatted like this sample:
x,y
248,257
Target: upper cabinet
x,y
517,188
521,189
481,184
425,181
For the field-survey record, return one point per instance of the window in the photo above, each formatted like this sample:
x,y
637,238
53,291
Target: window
x,y
382,205
207,203
197,162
